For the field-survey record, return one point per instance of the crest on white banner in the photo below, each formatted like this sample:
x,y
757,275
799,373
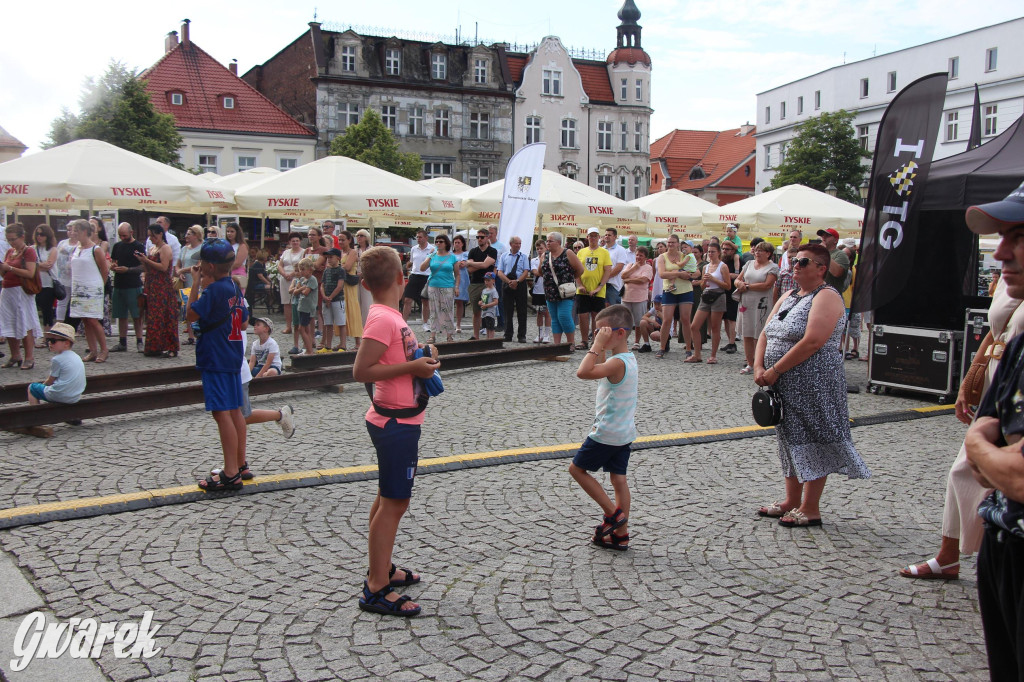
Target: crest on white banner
x,y
520,195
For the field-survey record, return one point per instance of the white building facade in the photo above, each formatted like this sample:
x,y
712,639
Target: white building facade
x,y
992,57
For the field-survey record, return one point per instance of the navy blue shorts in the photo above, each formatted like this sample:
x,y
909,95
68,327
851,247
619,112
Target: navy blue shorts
x,y
222,390
593,456
397,447
676,299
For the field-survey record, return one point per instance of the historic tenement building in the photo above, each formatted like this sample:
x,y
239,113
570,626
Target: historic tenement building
x,y
451,104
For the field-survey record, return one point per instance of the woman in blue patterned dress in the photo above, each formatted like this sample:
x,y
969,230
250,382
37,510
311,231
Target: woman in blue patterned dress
x,y
798,352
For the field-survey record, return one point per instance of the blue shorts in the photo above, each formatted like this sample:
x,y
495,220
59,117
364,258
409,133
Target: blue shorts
x,y
397,447
222,390
38,391
676,299
593,456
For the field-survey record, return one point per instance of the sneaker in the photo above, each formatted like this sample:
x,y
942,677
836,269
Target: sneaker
x,y
730,348
140,346
295,351
318,334
426,326
646,348
287,421
119,348
537,340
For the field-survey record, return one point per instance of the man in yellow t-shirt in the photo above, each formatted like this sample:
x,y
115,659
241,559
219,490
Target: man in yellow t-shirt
x,y
597,270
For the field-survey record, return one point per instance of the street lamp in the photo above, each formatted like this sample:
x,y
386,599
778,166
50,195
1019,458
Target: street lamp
x,y
864,188
831,190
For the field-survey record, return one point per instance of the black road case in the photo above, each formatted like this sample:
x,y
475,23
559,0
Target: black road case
x,y
915,359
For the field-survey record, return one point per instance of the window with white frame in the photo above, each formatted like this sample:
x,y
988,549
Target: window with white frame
x,y
991,58
229,102
348,58
952,126
604,183
890,84
439,66
638,186
954,67
479,126
177,99
624,89
392,61
639,90
862,137
624,132
767,156
638,136
569,133
479,175
208,163
768,114
621,193
817,100
348,115
799,105
437,169
389,116
287,163
991,119
552,82
604,136
864,88
570,172
244,162
480,71
442,123
416,120
782,110
533,129
782,152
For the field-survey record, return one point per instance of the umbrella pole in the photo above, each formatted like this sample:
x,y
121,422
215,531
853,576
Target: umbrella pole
x,y
263,229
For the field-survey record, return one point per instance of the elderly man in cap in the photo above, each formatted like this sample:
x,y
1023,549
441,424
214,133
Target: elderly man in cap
x,y
995,454
838,275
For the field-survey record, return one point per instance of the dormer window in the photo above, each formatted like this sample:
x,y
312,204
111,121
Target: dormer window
x,y
697,173
177,99
229,102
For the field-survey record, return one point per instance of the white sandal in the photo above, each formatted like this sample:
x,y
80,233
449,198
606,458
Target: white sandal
x,y
936,571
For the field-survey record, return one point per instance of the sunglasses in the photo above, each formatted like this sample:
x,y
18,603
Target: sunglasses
x,y
49,340
804,262
481,237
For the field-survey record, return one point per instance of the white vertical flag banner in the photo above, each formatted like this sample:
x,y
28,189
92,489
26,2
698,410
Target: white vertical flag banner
x,y
521,193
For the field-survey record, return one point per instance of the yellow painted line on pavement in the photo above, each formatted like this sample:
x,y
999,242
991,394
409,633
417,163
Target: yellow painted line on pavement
x,y
163,493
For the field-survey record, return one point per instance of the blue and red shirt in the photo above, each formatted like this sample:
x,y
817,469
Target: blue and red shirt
x,y
222,312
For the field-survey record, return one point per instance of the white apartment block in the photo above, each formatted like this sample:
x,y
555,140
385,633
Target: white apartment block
x,y
992,57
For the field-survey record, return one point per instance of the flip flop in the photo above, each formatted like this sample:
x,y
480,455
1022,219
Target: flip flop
x,y
693,360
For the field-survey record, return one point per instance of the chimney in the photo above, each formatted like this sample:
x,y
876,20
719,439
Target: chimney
x,y
171,41
746,129
184,31
233,66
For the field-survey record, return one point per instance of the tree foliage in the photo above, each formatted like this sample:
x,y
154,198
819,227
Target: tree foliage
x,y
373,143
117,109
825,150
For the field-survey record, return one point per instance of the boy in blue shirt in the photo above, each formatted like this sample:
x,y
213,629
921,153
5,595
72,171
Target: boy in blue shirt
x,y
66,382
222,316
614,430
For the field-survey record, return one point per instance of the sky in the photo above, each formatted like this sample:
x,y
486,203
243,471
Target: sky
x,y
710,57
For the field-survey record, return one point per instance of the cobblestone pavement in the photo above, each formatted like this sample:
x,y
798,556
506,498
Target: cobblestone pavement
x,y
263,587
481,410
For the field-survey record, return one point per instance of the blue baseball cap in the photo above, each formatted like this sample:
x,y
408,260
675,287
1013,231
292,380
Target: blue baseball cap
x,y
217,251
990,218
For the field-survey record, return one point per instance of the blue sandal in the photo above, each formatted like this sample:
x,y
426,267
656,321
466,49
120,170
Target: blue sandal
x,y
377,602
611,523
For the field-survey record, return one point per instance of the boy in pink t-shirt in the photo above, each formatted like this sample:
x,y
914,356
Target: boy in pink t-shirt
x,y
386,359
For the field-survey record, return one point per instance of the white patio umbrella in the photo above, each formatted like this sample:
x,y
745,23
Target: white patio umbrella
x,y
563,203
99,175
246,177
336,185
446,185
673,211
772,215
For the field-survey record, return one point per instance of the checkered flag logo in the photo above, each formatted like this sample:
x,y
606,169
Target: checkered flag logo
x,y
902,178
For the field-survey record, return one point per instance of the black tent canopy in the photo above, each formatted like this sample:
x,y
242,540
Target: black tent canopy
x,y
979,176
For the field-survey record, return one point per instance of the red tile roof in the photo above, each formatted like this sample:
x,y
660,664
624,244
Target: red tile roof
x,y
629,55
203,81
717,153
8,141
594,75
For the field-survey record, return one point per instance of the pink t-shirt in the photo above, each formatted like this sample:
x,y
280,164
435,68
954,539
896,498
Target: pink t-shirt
x,y
385,325
637,293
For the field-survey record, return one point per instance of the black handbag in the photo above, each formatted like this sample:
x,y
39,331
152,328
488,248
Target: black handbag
x,y
351,280
709,296
60,292
767,406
